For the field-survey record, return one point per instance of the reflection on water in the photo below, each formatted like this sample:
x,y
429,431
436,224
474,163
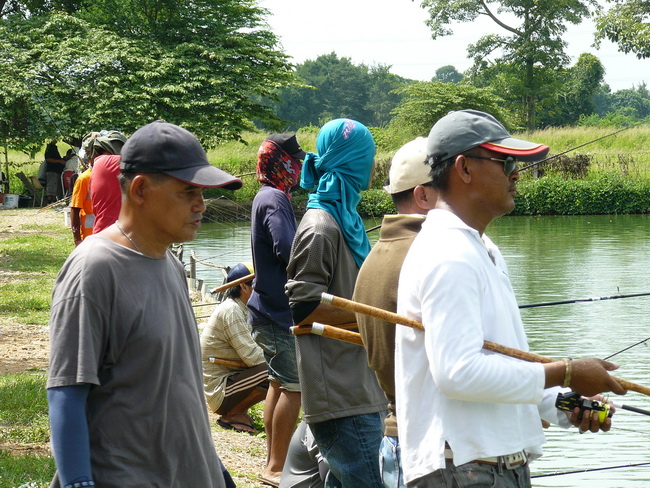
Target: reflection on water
x,y
554,258
561,258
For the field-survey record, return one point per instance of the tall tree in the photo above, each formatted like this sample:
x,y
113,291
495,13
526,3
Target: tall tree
x,y
426,102
626,24
336,87
448,74
533,42
122,63
580,85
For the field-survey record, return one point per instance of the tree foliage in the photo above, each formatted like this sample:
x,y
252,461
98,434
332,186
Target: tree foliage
x,y
626,24
335,87
123,63
426,102
532,44
448,74
576,99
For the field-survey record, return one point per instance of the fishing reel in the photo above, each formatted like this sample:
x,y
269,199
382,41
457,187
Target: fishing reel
x,y
570,400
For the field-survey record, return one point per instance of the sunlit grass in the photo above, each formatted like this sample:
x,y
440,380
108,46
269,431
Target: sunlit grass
x,y
24,422
30,264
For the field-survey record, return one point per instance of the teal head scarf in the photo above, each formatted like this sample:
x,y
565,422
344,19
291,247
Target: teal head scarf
x,y
342,168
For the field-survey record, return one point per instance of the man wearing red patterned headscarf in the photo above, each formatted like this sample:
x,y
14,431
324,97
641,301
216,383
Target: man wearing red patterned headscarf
x,y
273,225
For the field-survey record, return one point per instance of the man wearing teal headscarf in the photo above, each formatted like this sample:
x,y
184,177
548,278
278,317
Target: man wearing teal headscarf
x,y
342,402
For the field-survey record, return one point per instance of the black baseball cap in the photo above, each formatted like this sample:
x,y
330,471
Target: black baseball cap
x,y
289,144
161,147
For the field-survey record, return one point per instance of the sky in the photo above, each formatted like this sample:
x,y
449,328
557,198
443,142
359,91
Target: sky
x,y
393,32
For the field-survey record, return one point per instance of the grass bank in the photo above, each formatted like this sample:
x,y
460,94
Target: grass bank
x,y
625,153
608,176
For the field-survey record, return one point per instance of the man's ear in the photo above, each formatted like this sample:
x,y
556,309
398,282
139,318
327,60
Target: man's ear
x,y
423,198
137,188
462,168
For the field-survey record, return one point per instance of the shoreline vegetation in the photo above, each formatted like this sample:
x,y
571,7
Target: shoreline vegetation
x,y
608,176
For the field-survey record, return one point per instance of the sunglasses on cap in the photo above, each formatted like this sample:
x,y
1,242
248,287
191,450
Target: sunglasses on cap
x,y
509,164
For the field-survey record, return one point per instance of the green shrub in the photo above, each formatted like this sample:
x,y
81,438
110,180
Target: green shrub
x,y
375,203
604,193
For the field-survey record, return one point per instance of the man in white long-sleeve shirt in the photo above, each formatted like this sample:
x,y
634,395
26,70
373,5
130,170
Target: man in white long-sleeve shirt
x,y
466,413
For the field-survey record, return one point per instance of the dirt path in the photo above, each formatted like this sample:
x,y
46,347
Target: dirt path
x,y
26,347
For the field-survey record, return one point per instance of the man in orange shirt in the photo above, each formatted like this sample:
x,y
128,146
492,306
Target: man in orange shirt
x,y
82,217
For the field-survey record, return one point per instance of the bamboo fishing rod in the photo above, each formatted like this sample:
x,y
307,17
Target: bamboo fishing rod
x,y
233,283
394,318
342,333
231,363
578,300
339,332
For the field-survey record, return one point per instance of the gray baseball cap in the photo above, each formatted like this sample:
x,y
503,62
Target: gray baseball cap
x,y
463,130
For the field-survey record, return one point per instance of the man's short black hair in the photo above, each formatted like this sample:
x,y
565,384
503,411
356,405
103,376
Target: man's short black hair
x,y
402,198
234,292
440,173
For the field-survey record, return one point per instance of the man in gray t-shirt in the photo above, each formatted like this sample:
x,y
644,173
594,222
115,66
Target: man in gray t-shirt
x,y
125,379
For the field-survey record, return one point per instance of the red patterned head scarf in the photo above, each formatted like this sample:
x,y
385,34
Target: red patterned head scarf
x,y
276,168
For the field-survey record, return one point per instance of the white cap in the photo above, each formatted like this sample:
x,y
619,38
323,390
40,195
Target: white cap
x,y
409,167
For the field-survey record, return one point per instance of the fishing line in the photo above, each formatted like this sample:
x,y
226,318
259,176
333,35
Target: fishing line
x,y
590,470
532,165
577,300
628,347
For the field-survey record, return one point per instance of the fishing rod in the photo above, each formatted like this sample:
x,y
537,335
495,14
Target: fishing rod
x,y
627,348
578,471
537,163
394,318
577,300
373,228
342,332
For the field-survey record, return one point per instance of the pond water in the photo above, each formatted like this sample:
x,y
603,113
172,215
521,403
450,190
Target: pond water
x,y
552,259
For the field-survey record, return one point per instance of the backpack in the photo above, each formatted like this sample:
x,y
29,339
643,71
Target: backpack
x,y
42,170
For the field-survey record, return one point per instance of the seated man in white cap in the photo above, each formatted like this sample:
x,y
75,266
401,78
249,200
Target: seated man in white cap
x,y
235,376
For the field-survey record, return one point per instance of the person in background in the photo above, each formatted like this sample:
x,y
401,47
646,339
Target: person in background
x,y
226,340
410,189
125,389
72,161
54,167
104,186
342,402
305,466
466,415
273,226
82,217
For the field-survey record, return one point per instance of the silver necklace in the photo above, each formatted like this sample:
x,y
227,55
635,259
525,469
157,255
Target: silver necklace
x,y
117,222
